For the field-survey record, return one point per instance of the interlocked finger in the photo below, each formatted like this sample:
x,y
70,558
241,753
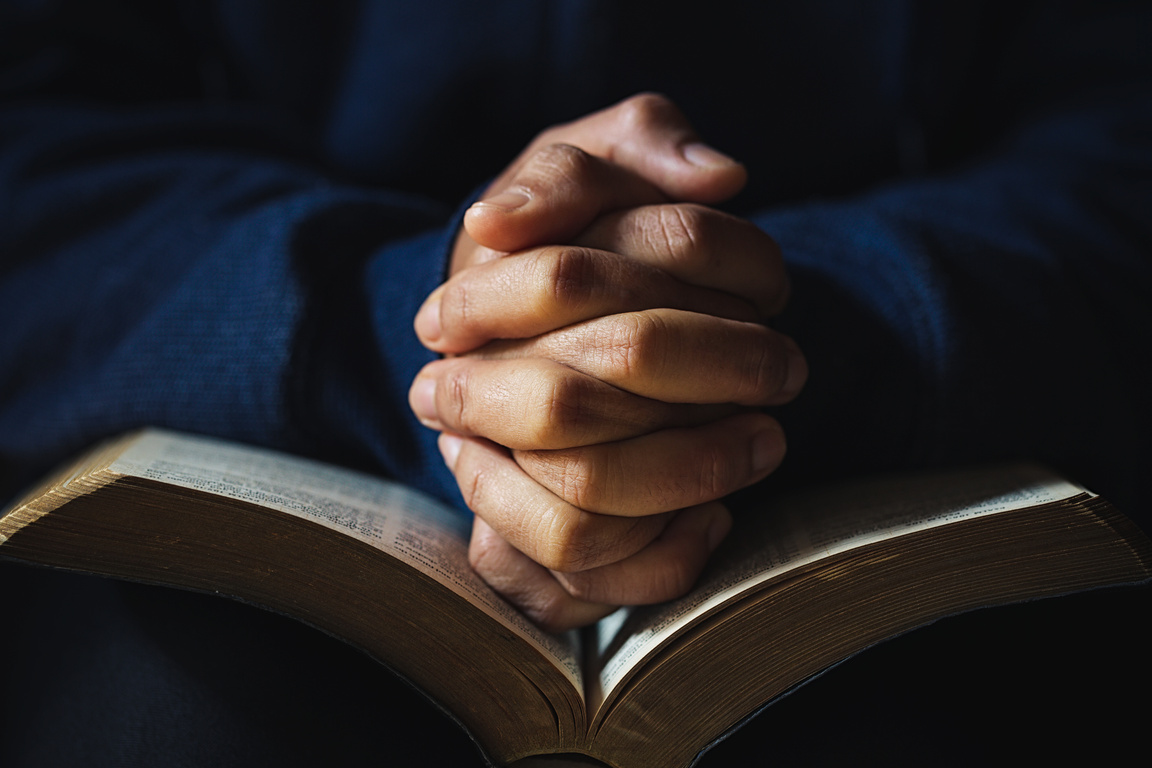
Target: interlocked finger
x,y
535,521
528,585
674,356
699,246
540,290
664,470
539,404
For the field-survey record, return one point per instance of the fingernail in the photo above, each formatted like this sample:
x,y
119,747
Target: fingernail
x,y
422,398
508,200
797,370
705,156
767,449
427,322
449,448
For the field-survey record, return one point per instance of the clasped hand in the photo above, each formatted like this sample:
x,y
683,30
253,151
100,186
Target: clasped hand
x,y
605,359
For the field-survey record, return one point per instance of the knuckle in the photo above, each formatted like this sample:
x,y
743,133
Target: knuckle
x,y
568,409
556,412
475,485
456,308
716,473
677,232
452,397
571,276
568,543
704,472
766,368
575,481
583,540
645,109
631,344
567,474
562,164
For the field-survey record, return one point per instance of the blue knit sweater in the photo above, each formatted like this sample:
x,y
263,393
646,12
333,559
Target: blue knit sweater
x,y
222,216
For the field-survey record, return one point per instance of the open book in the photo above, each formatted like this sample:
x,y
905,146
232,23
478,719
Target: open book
x,y
810,580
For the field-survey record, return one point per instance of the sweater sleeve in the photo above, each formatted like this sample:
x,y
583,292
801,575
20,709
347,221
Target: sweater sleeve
x,y
997,308
181,265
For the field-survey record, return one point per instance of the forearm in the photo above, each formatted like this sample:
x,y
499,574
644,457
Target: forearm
x,y
1004,301
176,267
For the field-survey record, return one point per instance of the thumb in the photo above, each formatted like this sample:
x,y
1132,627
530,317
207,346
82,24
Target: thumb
x,y
638,152
649,136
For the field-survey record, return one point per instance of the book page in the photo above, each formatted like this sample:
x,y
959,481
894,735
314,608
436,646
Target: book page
x,y
404,523
801,529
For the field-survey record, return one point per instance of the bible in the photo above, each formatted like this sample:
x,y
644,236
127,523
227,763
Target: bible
x,y
807,581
